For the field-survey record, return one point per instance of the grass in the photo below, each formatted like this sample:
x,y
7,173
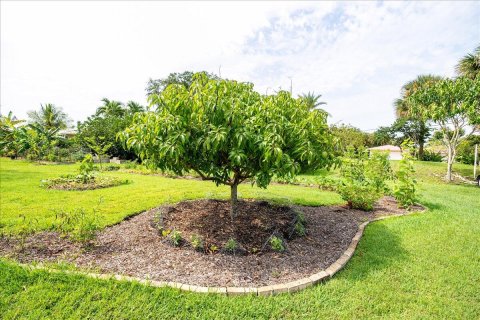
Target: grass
x,y
22,195
423,266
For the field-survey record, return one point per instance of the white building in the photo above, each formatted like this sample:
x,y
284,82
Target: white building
x,y
394,152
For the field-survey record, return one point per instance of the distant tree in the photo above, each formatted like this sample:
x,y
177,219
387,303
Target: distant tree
x,y
156,86
383,136
312,100
9,125
49,116
414,130
451,104
403,109
134,107
348,136
99,132
111,108
469,66
227,133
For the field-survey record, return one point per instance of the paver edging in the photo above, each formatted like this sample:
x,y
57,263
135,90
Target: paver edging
x,y
289,287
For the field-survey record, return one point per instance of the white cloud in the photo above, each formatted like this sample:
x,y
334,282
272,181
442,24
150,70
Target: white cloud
x,y
356,54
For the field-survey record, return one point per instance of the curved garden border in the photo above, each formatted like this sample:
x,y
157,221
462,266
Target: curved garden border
x,y
292,286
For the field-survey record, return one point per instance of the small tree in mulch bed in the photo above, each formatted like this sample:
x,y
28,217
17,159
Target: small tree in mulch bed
x,y
227,133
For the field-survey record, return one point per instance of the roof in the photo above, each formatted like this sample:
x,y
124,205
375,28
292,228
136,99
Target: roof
x,y
387,147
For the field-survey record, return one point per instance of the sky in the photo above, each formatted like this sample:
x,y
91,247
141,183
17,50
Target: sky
x,y
357,55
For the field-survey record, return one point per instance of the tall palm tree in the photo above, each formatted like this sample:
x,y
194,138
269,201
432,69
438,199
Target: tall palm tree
x,y
312,100
49,116
402,108
134,107
111,108
469,65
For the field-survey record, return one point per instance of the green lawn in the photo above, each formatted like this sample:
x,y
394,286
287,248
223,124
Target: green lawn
x,y
415,267
22,195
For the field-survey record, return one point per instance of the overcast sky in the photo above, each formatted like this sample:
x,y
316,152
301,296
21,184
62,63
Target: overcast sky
x,y
356,54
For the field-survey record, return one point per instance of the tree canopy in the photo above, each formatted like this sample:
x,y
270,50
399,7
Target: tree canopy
x,y
49,116
226,132
469,66
156,86
451,104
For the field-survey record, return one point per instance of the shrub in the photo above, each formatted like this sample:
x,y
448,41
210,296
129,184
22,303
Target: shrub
x,y
231,245
196,241
300,229
432,156
175,238
405,190
78,225
359,196
363,178
276,244
111,167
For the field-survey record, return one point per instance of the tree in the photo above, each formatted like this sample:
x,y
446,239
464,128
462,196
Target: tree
x,y
49,116
414,130
8,132
383,136
156,86
111,108
403,109
226,132
469,66
451,104
134,107
102,127
348,136
311,99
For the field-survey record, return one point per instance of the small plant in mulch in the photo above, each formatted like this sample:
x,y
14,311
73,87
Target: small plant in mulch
x,y
86,179
276,244
206,226
78,225
175,238
231,246
197,242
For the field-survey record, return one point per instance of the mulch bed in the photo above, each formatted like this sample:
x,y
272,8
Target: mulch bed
x,y
134,247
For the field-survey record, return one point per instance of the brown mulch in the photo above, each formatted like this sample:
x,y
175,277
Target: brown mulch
x,y
254,223
134,247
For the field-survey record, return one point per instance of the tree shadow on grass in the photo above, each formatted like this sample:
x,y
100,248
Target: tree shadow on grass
x,y
378,249
432,205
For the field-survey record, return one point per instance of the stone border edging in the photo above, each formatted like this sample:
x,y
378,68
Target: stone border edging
x,y
292,286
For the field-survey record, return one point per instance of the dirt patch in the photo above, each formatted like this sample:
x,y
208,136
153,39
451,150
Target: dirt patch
x,y
135,248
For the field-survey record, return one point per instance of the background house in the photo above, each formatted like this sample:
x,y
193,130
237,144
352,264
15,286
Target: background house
x,y
394,152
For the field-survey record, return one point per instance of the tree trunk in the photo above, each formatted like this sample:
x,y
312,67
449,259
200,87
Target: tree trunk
x,y
420,151
448,177
233,200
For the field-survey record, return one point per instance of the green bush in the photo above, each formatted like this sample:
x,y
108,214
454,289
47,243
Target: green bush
x,y
358,195
175,238
364,178
231,245
405,187
432,156
196,241
78,225
276,244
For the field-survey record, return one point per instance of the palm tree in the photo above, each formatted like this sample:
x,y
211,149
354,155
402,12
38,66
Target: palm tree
x,y
49,116
402,108
111,108
469,65
312,100
134,107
